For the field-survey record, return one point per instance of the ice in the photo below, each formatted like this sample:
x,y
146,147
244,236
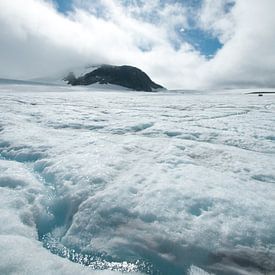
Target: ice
x,y
157,183
194,270
25,256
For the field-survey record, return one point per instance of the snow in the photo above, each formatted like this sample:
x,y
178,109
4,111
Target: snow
x,y
169,182
106,87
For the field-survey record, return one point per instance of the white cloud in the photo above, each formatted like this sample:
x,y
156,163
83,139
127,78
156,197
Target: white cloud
x,y
36,40
248,57
216,18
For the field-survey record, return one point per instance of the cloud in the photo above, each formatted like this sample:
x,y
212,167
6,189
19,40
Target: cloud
x,y
36,40
216,18
247,57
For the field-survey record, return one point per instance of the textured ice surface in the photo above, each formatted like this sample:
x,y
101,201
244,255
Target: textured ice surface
x,y
166,183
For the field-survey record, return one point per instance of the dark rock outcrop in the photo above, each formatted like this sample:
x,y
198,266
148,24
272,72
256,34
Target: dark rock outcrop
x,y
126,76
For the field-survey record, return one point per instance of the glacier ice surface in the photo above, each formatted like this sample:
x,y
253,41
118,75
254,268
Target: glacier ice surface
x,y
164,183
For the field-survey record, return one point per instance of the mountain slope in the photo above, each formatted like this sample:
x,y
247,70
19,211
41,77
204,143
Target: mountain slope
x,y
126,76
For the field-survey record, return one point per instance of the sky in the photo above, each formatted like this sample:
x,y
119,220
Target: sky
x,y
179,43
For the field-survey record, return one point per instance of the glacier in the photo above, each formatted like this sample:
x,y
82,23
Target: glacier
x,y
100,182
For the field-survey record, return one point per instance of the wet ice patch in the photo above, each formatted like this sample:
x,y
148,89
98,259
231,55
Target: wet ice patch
x,y
96,261
24,256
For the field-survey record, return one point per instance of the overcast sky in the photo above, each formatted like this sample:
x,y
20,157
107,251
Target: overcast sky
x,y
180,44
